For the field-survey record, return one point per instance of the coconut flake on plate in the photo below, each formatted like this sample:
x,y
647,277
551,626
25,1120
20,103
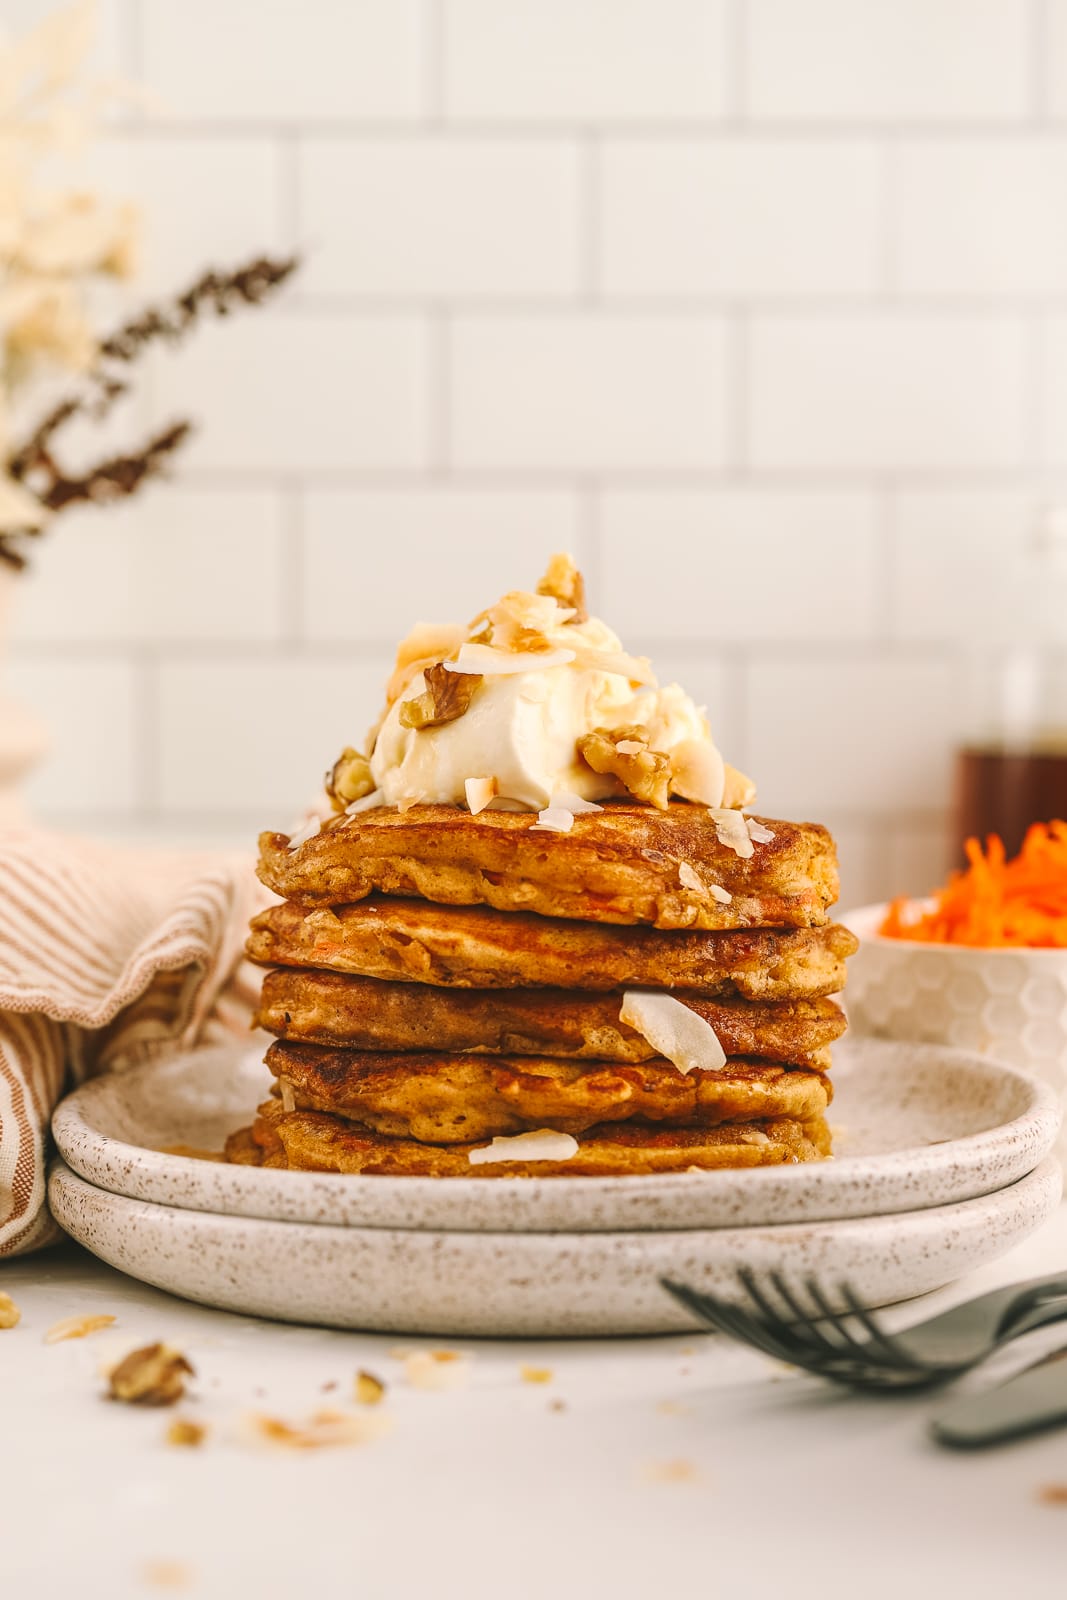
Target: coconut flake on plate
x,y
489,662
540,1144
758,832
310,828
673,1030
731,831
367,802
479,792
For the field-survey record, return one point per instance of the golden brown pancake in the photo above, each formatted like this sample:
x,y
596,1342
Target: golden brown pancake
x,y
482,949
452,1099
624,864
313,1141
334,1008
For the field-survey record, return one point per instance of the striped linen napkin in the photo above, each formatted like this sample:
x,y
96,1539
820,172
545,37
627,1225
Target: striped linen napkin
x,y
108,957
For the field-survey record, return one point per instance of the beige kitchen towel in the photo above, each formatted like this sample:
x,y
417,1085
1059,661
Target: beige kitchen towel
x,y
108,957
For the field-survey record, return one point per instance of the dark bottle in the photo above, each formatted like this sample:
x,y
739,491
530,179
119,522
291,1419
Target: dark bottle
x,y
1012,769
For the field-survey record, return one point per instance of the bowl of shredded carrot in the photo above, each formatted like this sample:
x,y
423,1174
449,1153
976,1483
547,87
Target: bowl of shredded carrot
x,y
980,963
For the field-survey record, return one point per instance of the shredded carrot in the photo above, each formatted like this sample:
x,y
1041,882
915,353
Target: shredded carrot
x,y
995,902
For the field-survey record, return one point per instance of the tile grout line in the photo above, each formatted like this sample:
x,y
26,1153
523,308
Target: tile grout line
x,y
293,563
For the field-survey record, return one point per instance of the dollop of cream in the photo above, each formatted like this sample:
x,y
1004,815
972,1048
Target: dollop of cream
x,y
522,727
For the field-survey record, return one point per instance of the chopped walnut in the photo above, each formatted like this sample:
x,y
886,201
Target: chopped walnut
x,y
679,1471
76,1328
447,696
186,1434
536,1374
152,1376
348,779
321,1431
564,583
369,1390
625,754
1053,1494
9,1312
436,1369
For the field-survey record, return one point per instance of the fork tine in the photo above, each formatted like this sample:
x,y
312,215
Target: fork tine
x,y
806,1344
849,1342
892,1352
728,1319
818,1337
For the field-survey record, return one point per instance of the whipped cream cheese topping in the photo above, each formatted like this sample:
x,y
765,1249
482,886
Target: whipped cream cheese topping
x,y
549,675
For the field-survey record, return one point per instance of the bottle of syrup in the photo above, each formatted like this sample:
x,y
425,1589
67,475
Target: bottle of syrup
x,y
1012,768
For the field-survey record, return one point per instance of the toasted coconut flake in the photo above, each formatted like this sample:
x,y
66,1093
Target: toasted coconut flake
x,y
324,1430
687,876
757,831
540,1144
673,1030
76,1328
754,1136
446,697
152,1376
479,792
186,1434
311,827
368,1390
554,819
367,802
566,801
9,1312
637,670
698,772
288,1098
738,790
717,892
436,1369
426,644
490,662
731,832
536,1374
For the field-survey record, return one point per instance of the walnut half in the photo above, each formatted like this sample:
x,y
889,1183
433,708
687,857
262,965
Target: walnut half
x,y
624,753
447,696
348,779
153,1376
564,583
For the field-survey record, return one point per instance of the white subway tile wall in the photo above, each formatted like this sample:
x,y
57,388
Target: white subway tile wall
x,y
759,306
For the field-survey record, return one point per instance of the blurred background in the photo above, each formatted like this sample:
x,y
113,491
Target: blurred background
x,y
758,306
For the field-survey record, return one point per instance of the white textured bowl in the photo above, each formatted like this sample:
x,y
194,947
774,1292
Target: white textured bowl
x,y
1011,1004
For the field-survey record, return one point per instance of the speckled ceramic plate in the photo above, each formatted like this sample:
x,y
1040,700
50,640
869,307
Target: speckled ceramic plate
x,y
537,1285
915,1126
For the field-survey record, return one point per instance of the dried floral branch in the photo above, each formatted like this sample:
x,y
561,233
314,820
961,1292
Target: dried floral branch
x,y
33,465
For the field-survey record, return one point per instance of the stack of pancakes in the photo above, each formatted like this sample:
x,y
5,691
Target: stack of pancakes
x,y
441,980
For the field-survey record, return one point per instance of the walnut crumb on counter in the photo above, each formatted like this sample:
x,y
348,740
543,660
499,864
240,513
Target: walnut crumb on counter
x,y
76,1328
152,1376
9,1312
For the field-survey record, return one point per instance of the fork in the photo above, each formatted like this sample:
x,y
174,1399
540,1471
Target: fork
x,y
827,1339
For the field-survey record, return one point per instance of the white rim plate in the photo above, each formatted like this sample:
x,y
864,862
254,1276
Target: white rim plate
x,y
916,1126
531,1285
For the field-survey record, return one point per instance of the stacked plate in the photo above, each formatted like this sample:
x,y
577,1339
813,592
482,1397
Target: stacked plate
x,y
942,1165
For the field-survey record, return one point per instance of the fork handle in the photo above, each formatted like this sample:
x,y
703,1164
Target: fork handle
x,y
1027,1302
1039,1314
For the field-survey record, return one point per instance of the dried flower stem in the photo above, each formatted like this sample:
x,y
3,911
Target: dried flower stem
x,y
33,463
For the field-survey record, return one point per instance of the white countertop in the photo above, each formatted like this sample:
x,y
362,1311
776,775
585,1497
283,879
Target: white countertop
x,y
681,1465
